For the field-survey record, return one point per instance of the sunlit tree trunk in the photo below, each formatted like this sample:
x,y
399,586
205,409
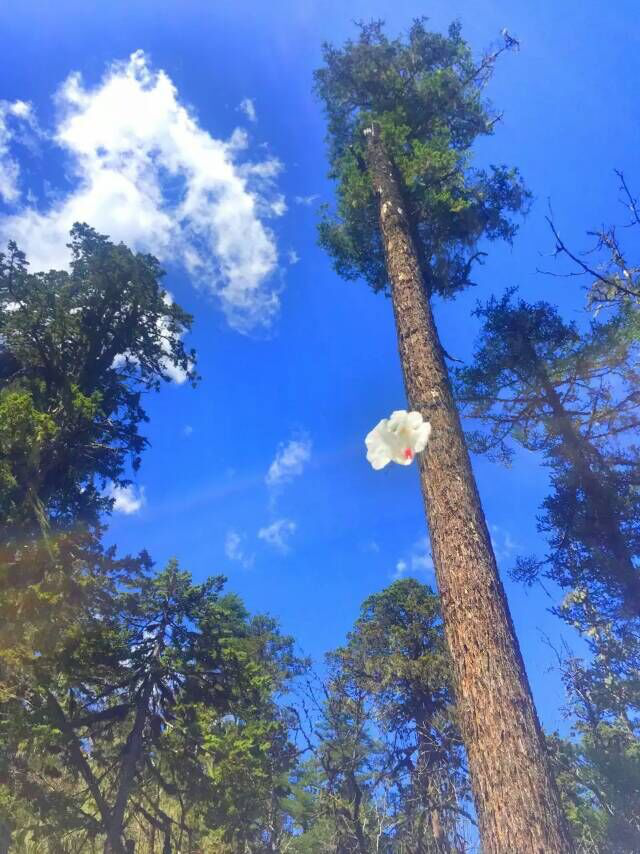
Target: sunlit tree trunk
x,y
516,799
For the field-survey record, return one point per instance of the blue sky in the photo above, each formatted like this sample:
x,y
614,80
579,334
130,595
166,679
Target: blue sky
x,y
260,472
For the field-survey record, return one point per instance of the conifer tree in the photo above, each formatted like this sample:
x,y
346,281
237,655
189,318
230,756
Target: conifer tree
x,y
402,116
396,655
598,766
77,351
572,397
162,708
388,770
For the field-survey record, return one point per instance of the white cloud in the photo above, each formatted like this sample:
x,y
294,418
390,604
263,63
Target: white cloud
x,y
305,200
417,562
278,206
292,256
401,568
289,462
504,546
127,499
247,107
370,546
172,371
12,114
234,549
187,430
278,534
147,173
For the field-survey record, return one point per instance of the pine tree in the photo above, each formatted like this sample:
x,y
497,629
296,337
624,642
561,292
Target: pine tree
x,y
598,766
163,709
396,654
572,397
77,351
402,117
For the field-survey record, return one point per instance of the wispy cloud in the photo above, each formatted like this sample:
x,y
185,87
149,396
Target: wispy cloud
x,y
370,546
289,462
247,107
278,206
127,499
278,534
305,200
146,172
417,562
292,256
15,116
235,549
504,546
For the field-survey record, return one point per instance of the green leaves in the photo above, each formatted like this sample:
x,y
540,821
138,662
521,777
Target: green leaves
x,y
425,93
76,351
389,760
174,682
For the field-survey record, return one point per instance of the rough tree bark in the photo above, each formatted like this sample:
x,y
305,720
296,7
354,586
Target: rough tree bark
x,y
515,795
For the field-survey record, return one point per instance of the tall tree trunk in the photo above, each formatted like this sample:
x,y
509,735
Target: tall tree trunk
x,y
516,798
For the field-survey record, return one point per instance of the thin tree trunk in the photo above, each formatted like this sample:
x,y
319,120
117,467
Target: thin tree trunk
x,y
516,798
132,753
427,778
602,500
112,845
135,743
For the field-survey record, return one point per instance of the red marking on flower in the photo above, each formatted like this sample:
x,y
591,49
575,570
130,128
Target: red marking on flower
x,y
408,454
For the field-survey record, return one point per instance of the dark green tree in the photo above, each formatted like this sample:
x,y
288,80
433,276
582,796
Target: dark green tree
x,y
163,710
397,654
348,756
537,381
598,767
77,351
388,770
402,116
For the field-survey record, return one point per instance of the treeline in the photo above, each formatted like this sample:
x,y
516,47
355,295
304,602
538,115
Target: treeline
x,y
142,712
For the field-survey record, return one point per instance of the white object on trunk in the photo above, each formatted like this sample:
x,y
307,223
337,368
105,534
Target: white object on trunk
x,y
397,438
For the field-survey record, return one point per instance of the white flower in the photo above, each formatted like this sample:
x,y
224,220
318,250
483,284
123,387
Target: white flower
x,y
399,438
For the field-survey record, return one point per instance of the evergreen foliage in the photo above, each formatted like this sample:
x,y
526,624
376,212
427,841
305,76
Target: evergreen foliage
x,y
538,382
161,709
388,771
77,350
425,93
